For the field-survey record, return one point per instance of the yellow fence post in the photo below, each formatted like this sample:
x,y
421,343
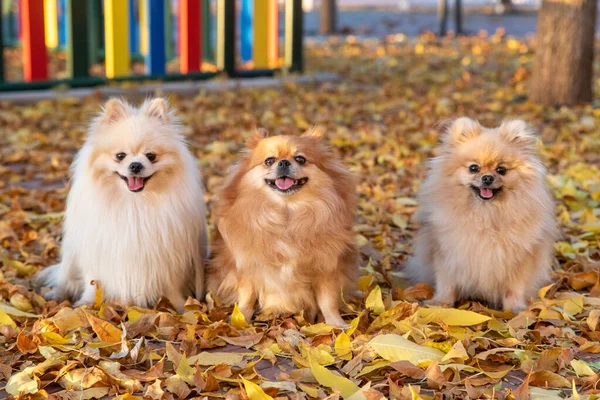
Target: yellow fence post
x,y
143,24
116,22
260,24
51,23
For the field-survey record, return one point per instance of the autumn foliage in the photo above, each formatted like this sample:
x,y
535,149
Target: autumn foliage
x,y
380,119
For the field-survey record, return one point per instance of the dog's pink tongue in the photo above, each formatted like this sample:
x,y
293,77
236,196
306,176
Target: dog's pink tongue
x,y
284,183
135,182
486,192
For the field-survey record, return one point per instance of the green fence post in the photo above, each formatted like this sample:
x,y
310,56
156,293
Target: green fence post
x,y
207,51
226,36
1,43
94,21
169,51
77,39
294,47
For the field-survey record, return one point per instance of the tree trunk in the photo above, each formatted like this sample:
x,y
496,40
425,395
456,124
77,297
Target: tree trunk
x,y
442,16
458,16
564,53
328,17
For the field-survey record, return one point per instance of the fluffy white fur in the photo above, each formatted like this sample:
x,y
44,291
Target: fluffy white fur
x,y
499,250
139,246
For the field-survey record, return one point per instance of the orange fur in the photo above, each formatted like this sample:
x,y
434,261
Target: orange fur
x,y
290,252
500,249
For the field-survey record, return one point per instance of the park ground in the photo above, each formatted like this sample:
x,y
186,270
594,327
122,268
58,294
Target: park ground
x,y
380,119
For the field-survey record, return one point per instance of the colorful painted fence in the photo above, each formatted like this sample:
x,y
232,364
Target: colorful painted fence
x,y
202,35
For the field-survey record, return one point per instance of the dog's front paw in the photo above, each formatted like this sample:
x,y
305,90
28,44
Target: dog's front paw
x,y
439,302
337,321
55,294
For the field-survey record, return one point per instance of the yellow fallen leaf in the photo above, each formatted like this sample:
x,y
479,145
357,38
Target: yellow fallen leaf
x,y
254,391
107,332
574,305
99,295
581,368
344,386
21,383
5,319
364,282
342,346
536,393
452,316
15,312
373,367
592,319
457,352
394,348
214,358
238,320
185,371
374,301
316,329
310,390
575,395
354,324
21,303
53,338
542,292
414,395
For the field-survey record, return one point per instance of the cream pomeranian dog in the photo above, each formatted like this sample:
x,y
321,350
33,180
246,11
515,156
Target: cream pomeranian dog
x,y
285,237
135,214
487,217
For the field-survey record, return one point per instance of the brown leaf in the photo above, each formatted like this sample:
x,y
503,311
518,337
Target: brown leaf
x,y
154,391
522,392
548,360
420,291
27,344
435,378
550,379
107,332
154,372
406,368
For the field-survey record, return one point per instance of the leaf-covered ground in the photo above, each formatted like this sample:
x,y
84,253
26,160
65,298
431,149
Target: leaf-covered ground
x,y
380,119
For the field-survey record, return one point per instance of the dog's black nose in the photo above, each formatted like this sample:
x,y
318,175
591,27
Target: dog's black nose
x,y
284,164
487,179
136,167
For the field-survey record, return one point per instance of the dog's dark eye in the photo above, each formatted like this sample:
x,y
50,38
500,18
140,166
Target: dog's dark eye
x,y
269,161
151,157
121,156
300,159
474,168
501,170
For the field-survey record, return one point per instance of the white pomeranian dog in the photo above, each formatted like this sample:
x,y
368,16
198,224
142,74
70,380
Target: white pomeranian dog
x,y
135,218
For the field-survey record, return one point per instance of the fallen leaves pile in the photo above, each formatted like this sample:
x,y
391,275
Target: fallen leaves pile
x,y
380,119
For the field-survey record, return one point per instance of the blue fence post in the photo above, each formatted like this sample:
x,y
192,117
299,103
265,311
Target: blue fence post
x,y
246,30
62,23
156,59
134,29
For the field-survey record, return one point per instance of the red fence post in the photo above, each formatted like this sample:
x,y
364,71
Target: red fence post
x,y
35,61
190,41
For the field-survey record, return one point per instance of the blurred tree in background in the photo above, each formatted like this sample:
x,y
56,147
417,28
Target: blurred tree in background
x,y
564,53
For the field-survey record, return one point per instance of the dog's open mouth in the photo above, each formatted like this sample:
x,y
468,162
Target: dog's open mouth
x,y
285,184
485,193
135,183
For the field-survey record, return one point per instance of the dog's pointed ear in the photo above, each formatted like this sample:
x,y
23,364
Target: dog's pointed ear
x,y
157,108
259,134
114,110
458,130
316,132
519,133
